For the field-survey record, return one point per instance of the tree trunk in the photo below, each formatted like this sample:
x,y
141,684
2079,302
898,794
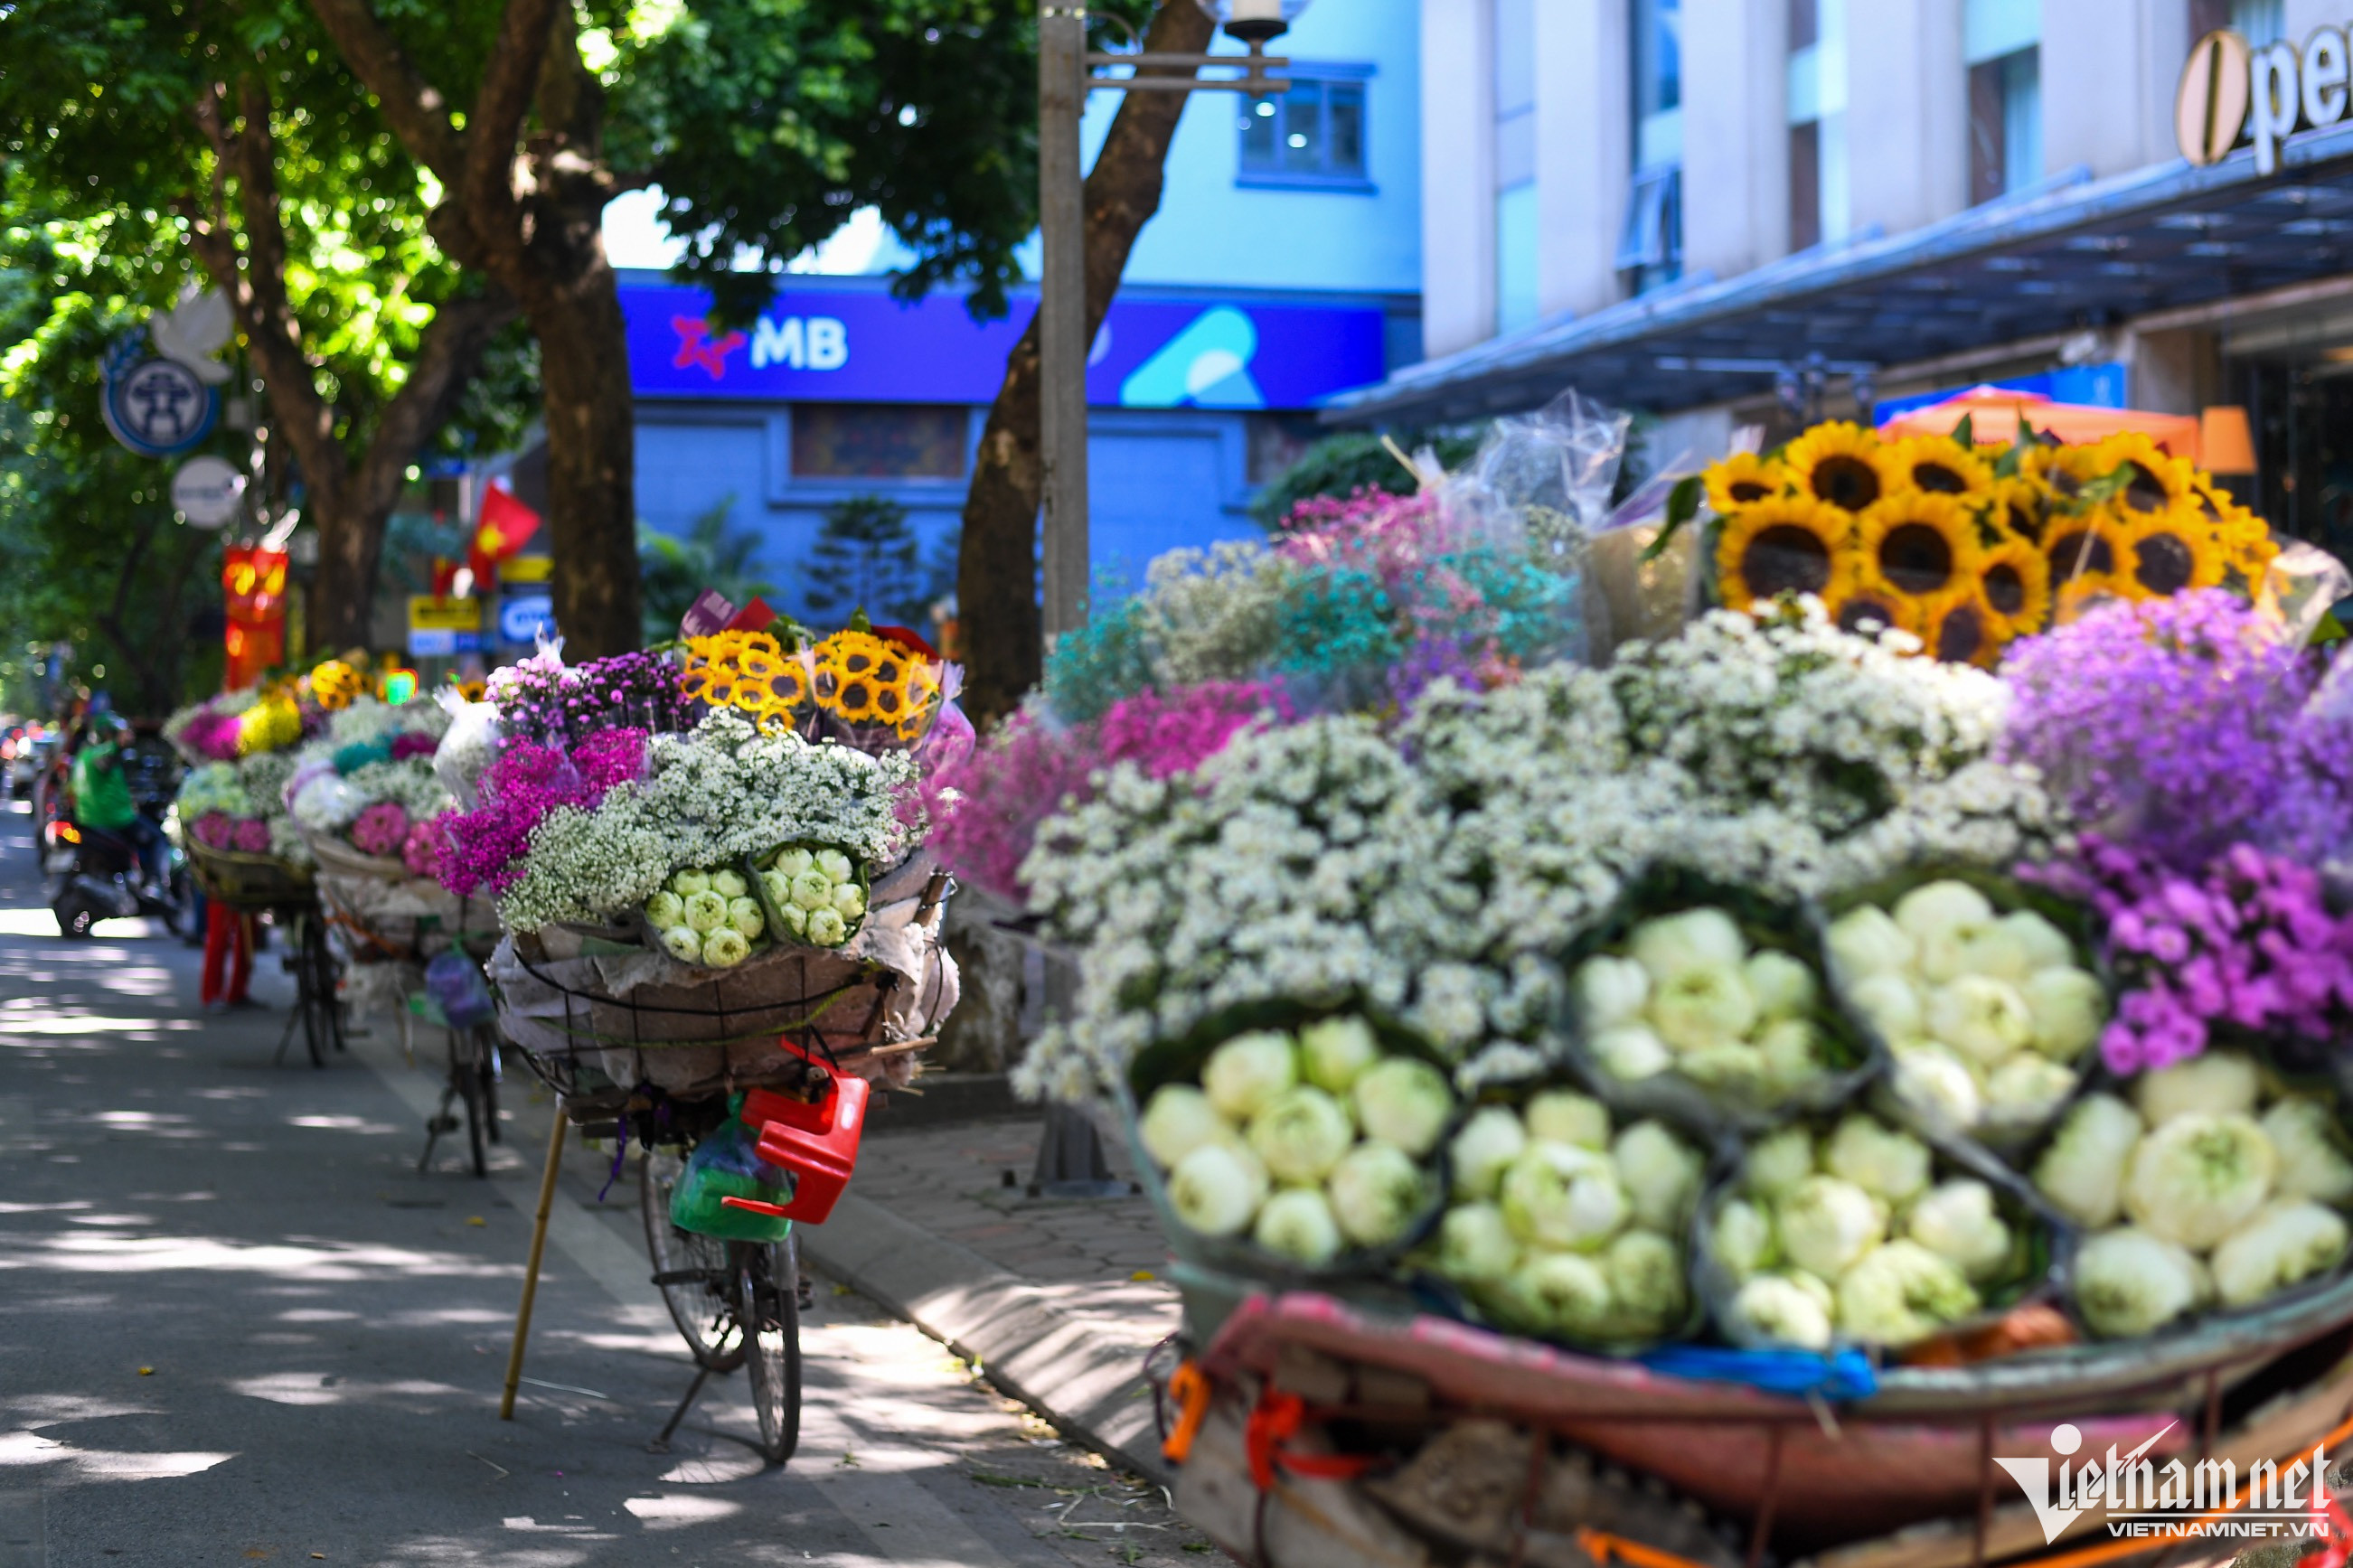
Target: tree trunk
x,y
591,461
343,595
997,569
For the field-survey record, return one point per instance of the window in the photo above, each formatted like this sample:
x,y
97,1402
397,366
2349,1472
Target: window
x,y
1651,245
1312,135
2001,42
1516,297
1817,115
878,441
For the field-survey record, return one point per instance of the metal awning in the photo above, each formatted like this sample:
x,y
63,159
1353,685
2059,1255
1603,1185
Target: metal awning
x,y
2071,253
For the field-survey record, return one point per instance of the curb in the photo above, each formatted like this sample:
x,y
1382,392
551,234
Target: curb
x,y
1022,1343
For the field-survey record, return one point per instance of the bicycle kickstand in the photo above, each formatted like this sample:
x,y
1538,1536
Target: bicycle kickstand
x,y
662,1445
437,1123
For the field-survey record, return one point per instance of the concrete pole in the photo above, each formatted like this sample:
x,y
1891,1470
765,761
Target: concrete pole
x,y
1062,313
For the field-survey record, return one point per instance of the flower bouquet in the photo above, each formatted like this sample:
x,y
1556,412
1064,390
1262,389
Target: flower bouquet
x,y
1853,1231
370,808
1568,1223
658,881
1303,1143
1970,546
243,848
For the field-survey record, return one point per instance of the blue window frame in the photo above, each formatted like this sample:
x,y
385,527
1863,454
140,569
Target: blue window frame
x,y
1312,135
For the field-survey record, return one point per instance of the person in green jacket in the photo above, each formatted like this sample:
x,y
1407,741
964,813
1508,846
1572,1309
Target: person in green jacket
x,y
101,795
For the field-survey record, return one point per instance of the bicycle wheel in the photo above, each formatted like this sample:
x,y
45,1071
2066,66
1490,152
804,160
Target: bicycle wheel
x,y
311,975
466,1072
486,1053
767,1295
691,1271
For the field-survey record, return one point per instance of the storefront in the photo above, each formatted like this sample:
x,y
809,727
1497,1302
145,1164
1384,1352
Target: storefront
x,y
2177,287
839,392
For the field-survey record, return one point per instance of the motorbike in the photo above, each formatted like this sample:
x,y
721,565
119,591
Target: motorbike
x,y
91,875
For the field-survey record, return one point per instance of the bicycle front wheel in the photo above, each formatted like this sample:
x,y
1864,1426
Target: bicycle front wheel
x,y
768,1294
691,1271
315,988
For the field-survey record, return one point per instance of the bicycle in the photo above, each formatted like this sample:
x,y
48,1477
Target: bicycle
x,y
317,973
738,1303
474,1073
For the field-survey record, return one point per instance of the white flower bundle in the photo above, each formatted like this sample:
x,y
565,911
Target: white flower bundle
x,y
711,797
2211,1188
1439,871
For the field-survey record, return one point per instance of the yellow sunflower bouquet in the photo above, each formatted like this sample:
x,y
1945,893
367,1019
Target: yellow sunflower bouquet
x,y
878,688
751,672
1969,547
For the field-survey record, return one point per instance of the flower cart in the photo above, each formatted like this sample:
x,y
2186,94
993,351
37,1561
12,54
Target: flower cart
x,y
244,853
721,930
1861,1075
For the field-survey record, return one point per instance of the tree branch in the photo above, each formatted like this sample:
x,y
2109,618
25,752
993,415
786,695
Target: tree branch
x,y
412,106
461,331
255,282
493,130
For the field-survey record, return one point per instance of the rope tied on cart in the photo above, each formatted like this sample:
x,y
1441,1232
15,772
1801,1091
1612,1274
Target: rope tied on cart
x,y
1274,1423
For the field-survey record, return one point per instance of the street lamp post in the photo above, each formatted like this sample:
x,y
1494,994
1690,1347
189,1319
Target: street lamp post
x,y
1064,64
1069,1152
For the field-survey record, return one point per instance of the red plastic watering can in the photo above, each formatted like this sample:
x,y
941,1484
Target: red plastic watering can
x,y
816,1141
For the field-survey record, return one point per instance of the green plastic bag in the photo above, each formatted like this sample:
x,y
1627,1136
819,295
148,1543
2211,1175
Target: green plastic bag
x,y
728,1164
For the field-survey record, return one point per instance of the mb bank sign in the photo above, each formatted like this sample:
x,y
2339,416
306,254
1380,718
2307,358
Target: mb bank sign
x,y
841,345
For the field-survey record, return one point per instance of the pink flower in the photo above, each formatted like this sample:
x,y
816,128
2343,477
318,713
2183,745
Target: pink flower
x,y
250,835
381,828
420,852
214,829
412,744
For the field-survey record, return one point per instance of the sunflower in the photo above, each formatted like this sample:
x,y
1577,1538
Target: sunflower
x,y
1942,466
2172,550
333,685
2014,584
1960,627
2015,507
1917,544
1863,609
1787,544
2154,479
2077,596
2061,471
853,699
1844,465
2092,544
1743,479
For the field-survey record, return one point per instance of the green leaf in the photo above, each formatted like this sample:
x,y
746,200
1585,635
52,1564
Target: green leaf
x,y
1683,505
1965,432
2330,630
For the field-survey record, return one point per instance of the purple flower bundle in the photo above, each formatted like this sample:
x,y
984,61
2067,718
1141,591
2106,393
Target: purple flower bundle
x,y
2248,943
986,808
2179,725
540,699
485,847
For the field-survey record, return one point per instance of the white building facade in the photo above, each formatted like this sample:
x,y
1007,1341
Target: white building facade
x,y
1693,206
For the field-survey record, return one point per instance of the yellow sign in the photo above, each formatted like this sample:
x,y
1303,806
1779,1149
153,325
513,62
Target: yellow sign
x,y
527,568
430,615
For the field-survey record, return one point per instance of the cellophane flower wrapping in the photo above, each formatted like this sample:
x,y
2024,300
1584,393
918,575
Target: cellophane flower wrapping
x,y
1436,869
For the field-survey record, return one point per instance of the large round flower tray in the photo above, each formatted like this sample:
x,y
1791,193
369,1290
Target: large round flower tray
x,y
388,913
1901,1478
250,882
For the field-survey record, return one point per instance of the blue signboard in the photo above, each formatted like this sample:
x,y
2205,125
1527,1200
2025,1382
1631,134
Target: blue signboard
x,y
841,345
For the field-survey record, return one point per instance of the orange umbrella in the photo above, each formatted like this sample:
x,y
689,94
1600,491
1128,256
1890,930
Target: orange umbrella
x,y
1994,412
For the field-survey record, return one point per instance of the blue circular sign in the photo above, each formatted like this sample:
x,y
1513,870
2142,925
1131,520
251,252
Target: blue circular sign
x,y
521,618
159,407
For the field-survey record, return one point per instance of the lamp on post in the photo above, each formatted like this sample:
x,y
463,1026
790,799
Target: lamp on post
x,y
1069,1154
1065,77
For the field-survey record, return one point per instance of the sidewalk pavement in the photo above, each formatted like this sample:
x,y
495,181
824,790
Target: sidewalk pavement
x,y
1058,1300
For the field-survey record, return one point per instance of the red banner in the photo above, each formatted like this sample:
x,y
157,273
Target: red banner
x,y
254,582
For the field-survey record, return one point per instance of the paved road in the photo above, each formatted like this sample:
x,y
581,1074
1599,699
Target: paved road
x,y
237,1325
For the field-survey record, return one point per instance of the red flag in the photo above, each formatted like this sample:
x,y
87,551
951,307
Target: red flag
x,y
504,527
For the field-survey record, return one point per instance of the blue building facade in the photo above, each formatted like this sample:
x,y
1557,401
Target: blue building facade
x,y
1283,270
